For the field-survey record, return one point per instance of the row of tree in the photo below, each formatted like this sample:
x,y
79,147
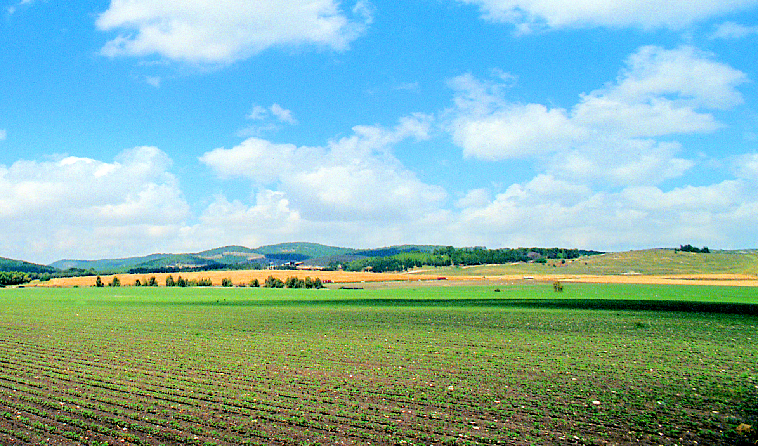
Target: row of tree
x,y
182,282
292,282
12,278
690,248
270,282
450,256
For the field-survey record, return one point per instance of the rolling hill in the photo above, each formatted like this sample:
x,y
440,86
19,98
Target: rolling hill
x,y
238,257
23,267
657,261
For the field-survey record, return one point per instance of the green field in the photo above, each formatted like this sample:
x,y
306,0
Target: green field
x,y
647,262
596,364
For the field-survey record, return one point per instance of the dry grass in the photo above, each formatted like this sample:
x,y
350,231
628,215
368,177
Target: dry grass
x,y
341,277
241,277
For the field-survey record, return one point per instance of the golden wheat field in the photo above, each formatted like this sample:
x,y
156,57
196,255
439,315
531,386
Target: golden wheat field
x,y
241,277
244,277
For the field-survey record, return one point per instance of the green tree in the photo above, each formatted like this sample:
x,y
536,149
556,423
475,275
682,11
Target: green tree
x,y
10,278
273,282
291,282
226,282
99,282
115,282
170,280
255,283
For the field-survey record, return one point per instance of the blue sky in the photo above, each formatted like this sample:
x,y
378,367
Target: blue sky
x,y
130,127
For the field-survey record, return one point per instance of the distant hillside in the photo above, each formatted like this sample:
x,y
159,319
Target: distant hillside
x,y
114,265
23,267
350,255
308,250
395,250
671,261
659,261
218,258
648,261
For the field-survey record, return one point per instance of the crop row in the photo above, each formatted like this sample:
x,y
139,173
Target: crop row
x,y
226,374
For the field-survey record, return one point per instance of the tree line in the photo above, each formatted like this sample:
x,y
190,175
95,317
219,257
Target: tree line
x,y
450,256
270,282
13,278
690,248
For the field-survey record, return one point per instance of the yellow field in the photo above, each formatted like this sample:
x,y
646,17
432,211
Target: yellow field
x,y
243,277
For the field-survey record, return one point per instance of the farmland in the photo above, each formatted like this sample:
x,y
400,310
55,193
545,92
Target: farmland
x,y
596,364
648,262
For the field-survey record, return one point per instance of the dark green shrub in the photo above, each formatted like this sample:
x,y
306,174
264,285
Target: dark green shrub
x,y
273,282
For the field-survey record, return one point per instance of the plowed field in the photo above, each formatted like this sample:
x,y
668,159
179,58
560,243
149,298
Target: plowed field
x,y
428,365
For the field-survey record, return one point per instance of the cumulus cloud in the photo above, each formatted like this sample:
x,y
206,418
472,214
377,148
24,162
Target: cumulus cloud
x,y
223,31
89,206
224,222
516,131
659,93
549,211
528,15
354,178
3,134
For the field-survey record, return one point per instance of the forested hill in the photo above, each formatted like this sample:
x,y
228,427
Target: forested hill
x,y
17,272
283,255
24,267
239,257
446,256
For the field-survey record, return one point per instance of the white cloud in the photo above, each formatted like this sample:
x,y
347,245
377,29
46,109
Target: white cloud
x,y
267,120
629,162
257,113
355,178
692,76
731,30
13,8
223,222
746,166
548,211
154,81
3,134
282,114
611,133
258,159
528,15
223,31
517,131
88,206
474,198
